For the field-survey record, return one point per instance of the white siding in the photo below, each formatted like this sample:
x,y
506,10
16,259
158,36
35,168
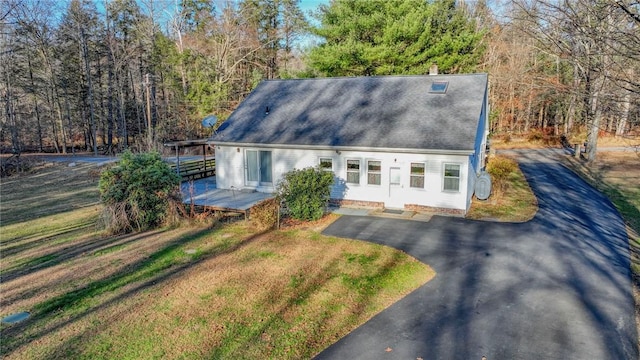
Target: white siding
x,y
230,172
229,168
471,184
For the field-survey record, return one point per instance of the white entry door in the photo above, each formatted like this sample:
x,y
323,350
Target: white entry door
x,y
395,189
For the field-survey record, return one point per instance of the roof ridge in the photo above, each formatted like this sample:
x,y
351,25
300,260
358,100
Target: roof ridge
x,y
404,76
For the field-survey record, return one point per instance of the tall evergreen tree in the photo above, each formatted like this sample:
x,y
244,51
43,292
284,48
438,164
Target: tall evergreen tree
x,y
374,37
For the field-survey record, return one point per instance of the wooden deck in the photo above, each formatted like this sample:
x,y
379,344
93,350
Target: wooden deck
x,y
203,192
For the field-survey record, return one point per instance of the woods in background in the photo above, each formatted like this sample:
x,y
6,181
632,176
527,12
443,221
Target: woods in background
x,y
107,75
115,76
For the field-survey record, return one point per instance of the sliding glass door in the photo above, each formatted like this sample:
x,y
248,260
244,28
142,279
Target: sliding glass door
x,y
258,167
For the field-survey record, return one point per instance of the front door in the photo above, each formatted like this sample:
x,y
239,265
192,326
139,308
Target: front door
x,y
258,168
395,189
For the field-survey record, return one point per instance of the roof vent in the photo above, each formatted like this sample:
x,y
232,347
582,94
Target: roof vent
x,y
439,87
433,69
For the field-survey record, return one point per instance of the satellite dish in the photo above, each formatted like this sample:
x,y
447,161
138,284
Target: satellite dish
x,y
209,121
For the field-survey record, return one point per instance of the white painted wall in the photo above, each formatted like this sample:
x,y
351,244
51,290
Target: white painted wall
x,y
230,173
471,184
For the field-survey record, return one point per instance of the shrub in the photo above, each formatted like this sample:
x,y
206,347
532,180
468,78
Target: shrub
x,y
139,192
535,135
16,164
264,215
500,168
306,192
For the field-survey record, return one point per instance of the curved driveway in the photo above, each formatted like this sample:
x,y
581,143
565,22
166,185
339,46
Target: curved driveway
x,y
556,287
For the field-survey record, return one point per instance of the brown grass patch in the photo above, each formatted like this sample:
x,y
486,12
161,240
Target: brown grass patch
x,y
285,290
531,141
192,291
282,294
511,200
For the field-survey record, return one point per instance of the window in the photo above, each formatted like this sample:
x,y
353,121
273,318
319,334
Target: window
x,y
417,175
439,87
326,164
353,171
451,177
374,176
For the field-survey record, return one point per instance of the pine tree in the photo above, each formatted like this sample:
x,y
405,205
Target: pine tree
x,y
394,37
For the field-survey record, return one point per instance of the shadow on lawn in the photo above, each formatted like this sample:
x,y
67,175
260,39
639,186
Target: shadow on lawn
x,y
69,253
323,329
49,316
20,244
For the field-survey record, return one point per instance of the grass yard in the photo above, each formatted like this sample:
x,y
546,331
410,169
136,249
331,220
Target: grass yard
x,y
198,290
515,203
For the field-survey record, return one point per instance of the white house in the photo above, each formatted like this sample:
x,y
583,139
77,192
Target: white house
x,y
412,142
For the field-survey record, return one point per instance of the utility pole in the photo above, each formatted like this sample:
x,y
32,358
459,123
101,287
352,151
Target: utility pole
x,y
149,131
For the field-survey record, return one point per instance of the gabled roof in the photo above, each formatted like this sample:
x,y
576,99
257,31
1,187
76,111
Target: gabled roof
x,y
392,112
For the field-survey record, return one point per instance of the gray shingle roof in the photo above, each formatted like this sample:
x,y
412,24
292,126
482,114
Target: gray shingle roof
x,y
383,112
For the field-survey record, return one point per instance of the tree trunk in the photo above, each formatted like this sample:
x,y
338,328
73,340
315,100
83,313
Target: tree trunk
x,y
595,117
85,56
11,115
135,102
124,140
624,117
68,112
52,116
109,107
35,104
148,113
100,99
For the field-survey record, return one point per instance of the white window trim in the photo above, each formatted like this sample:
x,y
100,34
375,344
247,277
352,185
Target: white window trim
x,y
424,175
444,165
366,170
326,158
346,166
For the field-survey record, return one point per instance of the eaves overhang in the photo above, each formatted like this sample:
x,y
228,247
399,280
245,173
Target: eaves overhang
x,y
346,148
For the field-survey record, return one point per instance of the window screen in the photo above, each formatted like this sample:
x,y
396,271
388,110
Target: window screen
x,y
417,175
451,177
353,171
374,175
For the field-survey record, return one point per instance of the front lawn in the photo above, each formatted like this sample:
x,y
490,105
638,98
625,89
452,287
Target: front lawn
x,y
199,290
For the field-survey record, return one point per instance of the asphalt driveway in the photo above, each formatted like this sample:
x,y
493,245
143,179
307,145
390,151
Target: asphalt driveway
x,y
556,287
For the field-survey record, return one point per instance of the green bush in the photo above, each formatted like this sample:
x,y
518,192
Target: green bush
x,y
500,168
138,192
306,192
